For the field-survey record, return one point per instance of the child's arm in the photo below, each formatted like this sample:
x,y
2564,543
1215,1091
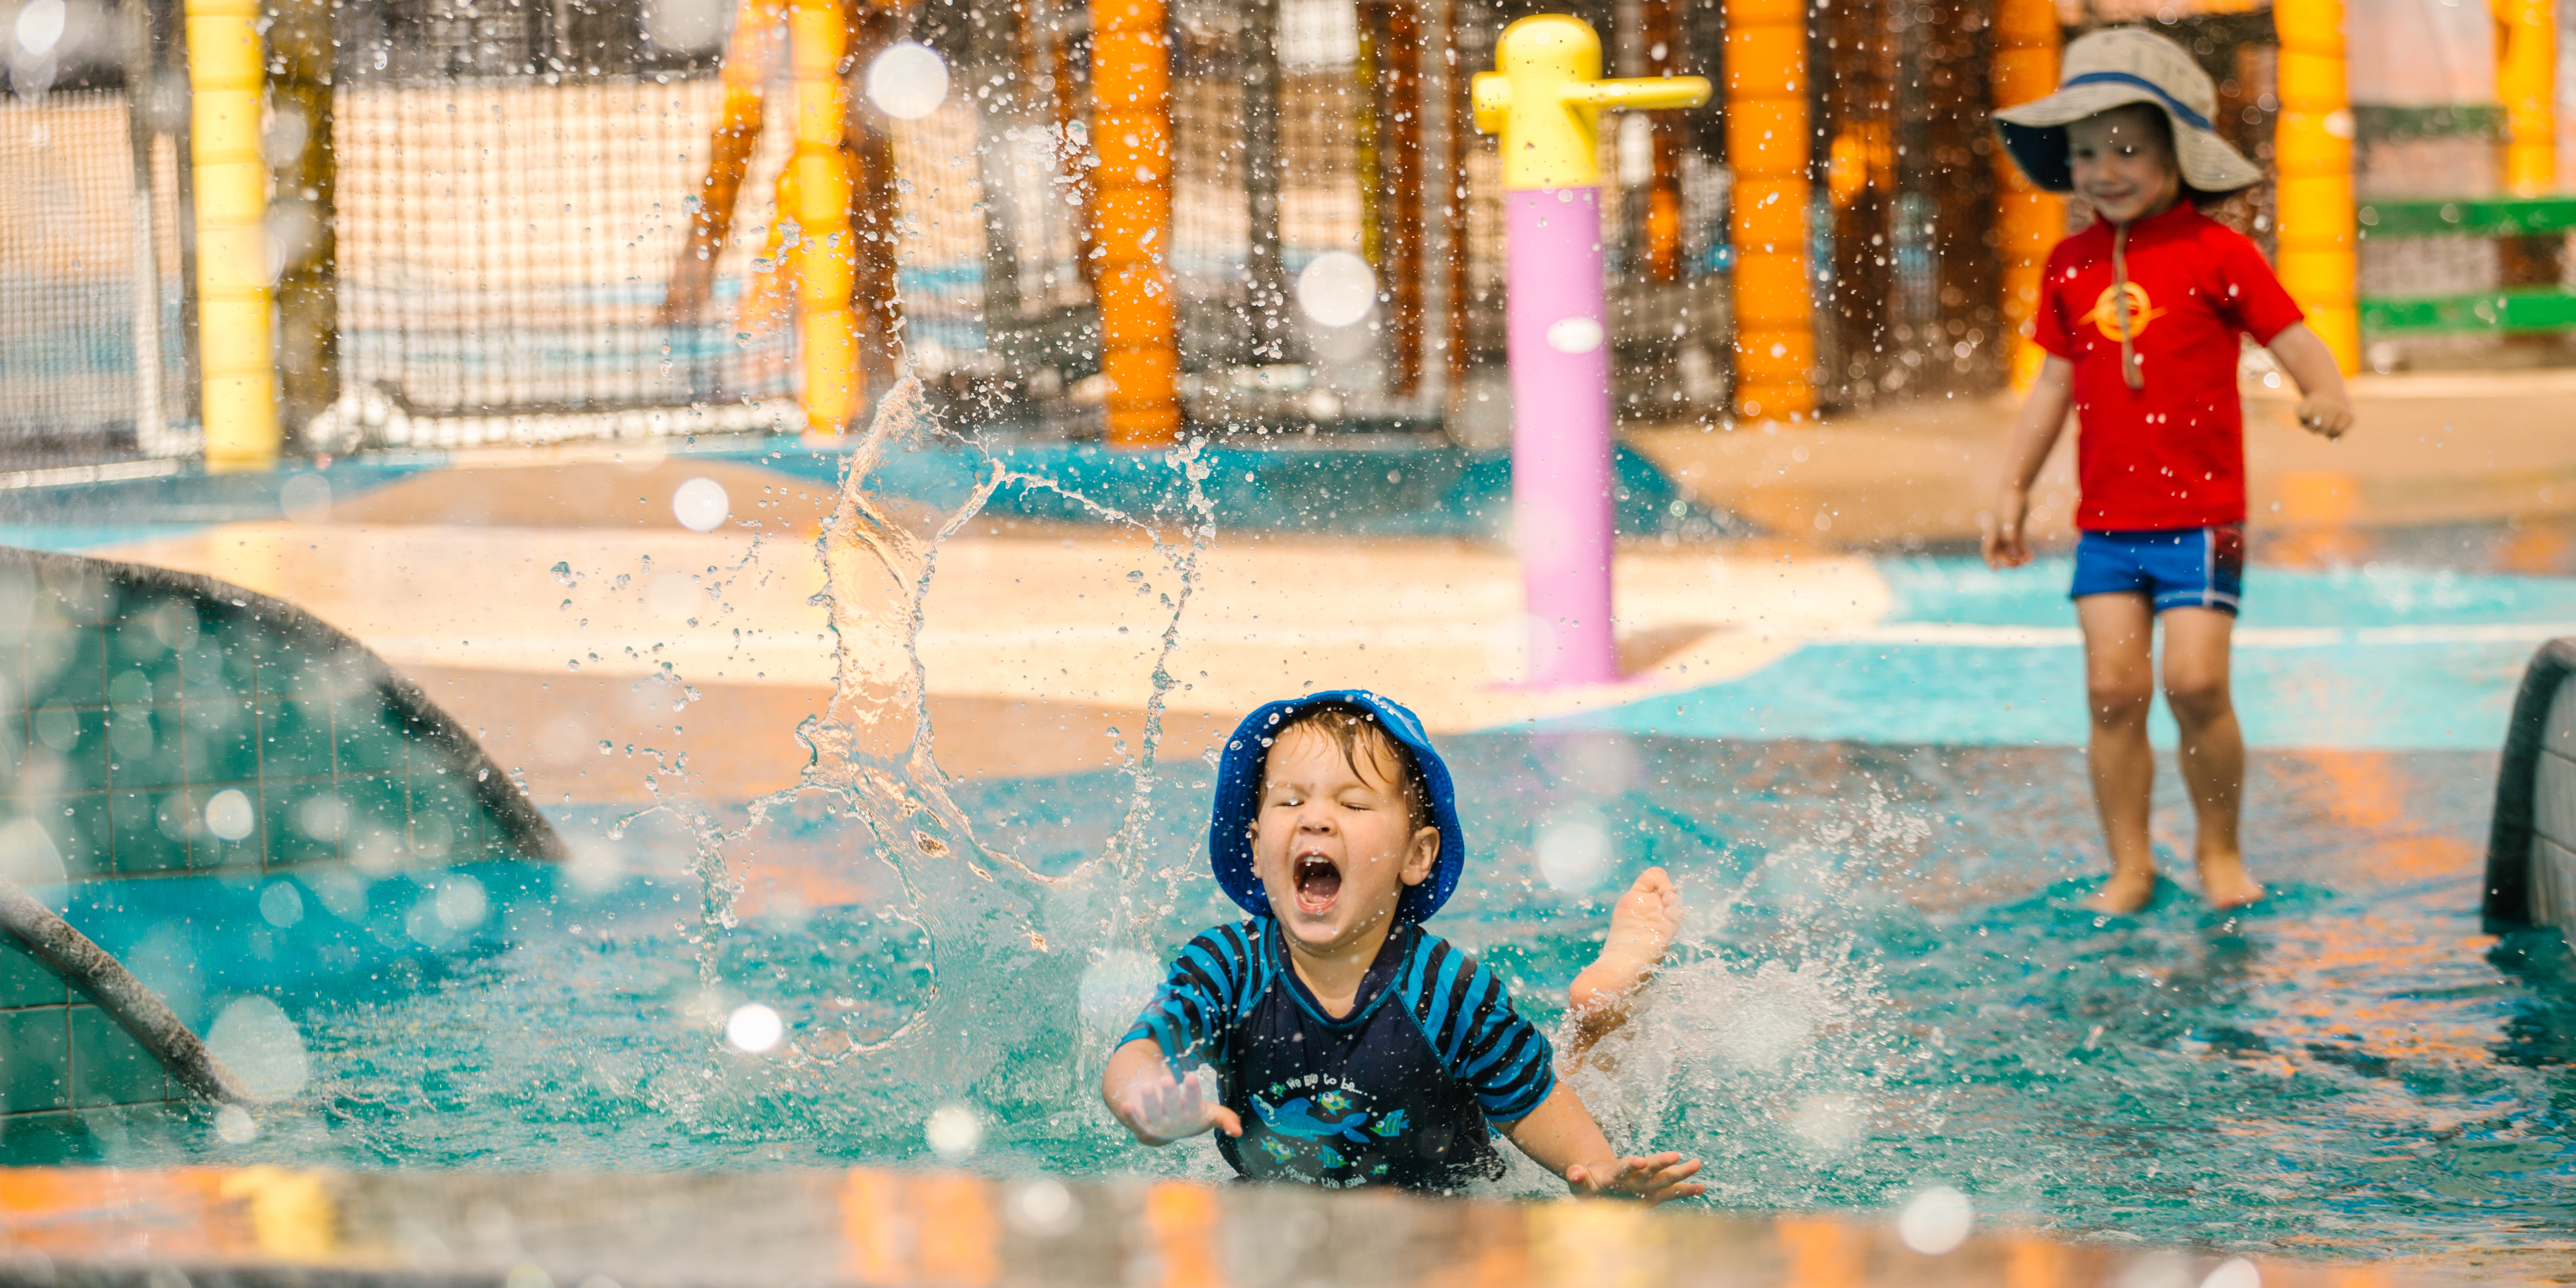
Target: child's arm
x,y
2327,408
1562,1137
1147,1100
2034,434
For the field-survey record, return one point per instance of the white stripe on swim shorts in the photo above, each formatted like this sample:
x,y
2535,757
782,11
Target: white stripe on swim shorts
x,y
2209,596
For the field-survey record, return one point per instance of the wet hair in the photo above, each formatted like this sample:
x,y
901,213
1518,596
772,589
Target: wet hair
x,y
1354,729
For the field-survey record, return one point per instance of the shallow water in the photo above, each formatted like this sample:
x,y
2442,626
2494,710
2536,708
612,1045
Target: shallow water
x,y
1887,983
1888,986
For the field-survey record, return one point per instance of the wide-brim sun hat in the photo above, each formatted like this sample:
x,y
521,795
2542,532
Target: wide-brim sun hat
x,y
2116,67
1238,799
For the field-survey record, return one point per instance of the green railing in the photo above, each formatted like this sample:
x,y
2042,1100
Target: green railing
x,y
2518,310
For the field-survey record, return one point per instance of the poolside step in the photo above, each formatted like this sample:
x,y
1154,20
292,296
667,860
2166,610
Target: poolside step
x,y
262,1226
218,779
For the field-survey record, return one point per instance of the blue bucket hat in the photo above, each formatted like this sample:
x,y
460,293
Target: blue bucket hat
x,y
1238,800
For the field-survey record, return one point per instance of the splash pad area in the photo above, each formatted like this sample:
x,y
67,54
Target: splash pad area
x,y
904,937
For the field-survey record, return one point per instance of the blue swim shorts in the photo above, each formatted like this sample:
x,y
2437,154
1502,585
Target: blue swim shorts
x,y
2177,567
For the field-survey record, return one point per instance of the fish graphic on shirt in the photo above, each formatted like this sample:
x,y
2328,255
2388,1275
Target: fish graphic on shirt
x,y
1294,1119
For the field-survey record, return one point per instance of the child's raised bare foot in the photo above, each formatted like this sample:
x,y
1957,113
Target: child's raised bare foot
x,y
2128,890
2223,882
1642,926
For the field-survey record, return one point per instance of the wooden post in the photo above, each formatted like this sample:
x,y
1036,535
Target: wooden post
x,y
1962,150
1459,290
2312,146
875,209
306,183
1660,27
1403,214
1367,152
1859,177
239,398
1267,293
1767,143
2028,221
1131,129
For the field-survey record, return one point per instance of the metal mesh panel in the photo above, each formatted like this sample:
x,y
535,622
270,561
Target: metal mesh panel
x,y
89,283
505,246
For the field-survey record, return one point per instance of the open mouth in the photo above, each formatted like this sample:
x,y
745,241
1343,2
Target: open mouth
x,y
1318,882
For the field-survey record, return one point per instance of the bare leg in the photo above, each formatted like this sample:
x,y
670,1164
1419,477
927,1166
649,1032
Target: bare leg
x,y
1642,926
2120,683
2213,747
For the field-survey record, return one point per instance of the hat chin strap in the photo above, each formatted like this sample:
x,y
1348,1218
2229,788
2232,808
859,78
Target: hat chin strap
x,y
2130,374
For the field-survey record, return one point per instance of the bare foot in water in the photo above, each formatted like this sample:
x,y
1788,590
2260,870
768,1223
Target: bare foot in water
x,y
2128,890
2224,884
1642,926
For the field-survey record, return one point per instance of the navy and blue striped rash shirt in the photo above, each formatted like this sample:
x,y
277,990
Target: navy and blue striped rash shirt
x,y
1398,1092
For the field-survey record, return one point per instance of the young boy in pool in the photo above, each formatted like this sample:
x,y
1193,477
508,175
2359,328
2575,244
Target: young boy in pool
x,y
1331,1039
2140,314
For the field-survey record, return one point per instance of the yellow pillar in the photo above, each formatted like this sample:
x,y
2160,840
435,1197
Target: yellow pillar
x,y
234,349
2527,81
2312,147
1131,129
2028,219
815,191
1767,144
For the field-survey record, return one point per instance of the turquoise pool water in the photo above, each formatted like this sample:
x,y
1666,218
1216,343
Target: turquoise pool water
x,y
1888,986
1888,983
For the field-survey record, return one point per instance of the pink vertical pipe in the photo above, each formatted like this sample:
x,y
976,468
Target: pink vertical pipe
x,y
1561,465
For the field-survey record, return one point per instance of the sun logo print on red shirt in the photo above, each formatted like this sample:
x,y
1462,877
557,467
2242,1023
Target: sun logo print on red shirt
x,y
2106,315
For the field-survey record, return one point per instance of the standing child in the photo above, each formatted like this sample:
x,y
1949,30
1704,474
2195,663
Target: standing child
x,y
2140,314
1330,1038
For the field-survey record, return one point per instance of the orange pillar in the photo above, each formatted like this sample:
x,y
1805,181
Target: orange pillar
x,y
1131,128
815,191
1767,146
2028,221
745,73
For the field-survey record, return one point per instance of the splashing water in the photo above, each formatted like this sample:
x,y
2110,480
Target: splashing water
x,y
1886,986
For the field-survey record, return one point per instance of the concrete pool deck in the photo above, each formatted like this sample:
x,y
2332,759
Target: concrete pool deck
x,y
894,1229
1039,639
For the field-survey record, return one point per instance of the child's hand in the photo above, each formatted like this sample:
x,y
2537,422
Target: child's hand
x,y
2326,415
1160,1109
2002,536
1656,1178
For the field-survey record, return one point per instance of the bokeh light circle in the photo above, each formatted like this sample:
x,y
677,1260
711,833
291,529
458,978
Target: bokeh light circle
x,y
908,81
955,1132
229,814
700,505
754,1028
1936,1220
1336,289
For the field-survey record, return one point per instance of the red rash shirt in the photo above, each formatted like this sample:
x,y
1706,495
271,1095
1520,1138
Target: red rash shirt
x,y
2171,455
